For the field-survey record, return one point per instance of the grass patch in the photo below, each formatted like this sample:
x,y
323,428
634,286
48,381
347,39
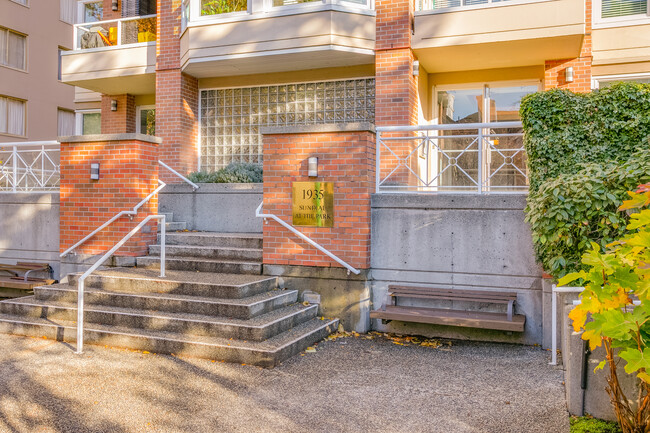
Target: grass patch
x,y
592,425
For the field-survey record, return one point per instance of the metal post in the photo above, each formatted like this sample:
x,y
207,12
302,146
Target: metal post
x,y
479,146
42,166
119,32
554,327
378,162
15,168
162,247
80,315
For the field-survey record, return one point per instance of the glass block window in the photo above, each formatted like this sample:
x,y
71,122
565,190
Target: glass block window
x,y
231,119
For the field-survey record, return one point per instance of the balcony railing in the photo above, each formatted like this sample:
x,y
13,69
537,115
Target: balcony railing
x,y
430,5
124,31
29,167
471,158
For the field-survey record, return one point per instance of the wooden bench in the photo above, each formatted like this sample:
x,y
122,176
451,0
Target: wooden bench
x,y
508,321
24,282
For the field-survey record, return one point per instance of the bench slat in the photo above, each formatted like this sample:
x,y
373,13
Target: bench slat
x,y
451,298
405,290
436,316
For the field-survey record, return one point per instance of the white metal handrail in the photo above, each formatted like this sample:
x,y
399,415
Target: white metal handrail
x,y
98,263
471,157
86,27
131,213
259,214
29,166
194,186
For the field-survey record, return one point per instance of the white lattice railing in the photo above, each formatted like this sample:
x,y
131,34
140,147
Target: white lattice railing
x,y
29,166
472,157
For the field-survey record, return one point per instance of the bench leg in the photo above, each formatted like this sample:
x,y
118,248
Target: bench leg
x,y
510,308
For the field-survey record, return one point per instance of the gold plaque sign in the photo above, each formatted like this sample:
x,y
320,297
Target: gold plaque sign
x,y
313,204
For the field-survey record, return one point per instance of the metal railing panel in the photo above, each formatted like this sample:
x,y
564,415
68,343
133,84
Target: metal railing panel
x,y
472,158
112,33
30,167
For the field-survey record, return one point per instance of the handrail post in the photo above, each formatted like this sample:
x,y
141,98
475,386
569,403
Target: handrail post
x,y
80,315
15,167
378,162
479,146
119,33
162,245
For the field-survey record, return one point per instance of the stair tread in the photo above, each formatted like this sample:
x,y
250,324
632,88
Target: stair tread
x,y
221,235
206,247
255,322
246,301
173,276
273,344
199,259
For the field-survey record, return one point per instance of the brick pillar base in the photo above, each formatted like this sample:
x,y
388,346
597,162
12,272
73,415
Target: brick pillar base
x,y
128,173
345,157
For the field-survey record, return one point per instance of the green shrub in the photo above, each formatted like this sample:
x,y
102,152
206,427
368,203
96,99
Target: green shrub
x,y
564,129
568,212
235,172
592,425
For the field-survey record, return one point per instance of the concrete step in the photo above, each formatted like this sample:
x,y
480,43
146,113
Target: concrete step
x,y
174,226
260,328
202,284
218,240
201,265
169,216
239,254
268,353
245,308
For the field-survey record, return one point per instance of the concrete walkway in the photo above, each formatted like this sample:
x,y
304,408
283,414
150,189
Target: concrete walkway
x,y
347,385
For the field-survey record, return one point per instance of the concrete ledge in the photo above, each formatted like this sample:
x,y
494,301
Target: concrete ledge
x,y
109,137
322,128
215,188
450,201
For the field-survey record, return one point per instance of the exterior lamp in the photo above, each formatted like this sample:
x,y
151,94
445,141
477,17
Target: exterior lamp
x,y
416,68
312,166
113,104
568,74
114,5
94,171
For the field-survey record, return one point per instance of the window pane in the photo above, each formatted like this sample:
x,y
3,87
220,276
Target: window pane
x,y
16,117
22,2
460,106
290,2
603,84
93,12
505,102
91,124
148,121
214,7
16,53
3,46
65,123
3,115
620,8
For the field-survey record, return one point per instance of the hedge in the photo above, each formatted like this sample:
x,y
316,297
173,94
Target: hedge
x,y
235,172
564,129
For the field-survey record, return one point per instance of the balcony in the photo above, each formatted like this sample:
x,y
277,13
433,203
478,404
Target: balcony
x,y
251,37
113,57
460,35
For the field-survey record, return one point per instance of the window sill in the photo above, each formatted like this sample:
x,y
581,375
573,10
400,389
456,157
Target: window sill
x,y
478,7
606,23
24,71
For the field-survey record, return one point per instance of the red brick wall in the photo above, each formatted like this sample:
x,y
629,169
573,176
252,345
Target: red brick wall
x,y
346,158
177,96
121,121
107,11
554,75
128,173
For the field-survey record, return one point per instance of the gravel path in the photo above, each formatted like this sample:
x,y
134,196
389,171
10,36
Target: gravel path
x,y
347,385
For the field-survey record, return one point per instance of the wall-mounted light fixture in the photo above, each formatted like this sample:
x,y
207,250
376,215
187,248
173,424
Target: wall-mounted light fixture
x,y
113,104
312,166
114,5
94,171
416,68
568,74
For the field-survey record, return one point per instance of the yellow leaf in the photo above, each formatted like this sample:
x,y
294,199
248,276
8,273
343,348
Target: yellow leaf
x,y
593,339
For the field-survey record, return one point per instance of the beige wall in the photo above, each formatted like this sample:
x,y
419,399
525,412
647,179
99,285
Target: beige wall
x,y
39,84
621,50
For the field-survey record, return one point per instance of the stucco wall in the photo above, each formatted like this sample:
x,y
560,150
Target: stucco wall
x,y
228,208
29,229
456,241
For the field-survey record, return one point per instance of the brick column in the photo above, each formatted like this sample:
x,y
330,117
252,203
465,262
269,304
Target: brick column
x,y
554,75
177,100
121,121
128,173
345,157
396,87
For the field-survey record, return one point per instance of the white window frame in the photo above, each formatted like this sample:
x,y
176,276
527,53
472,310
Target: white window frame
x,y
81,5
79,119
26,54
629,20
26,4
138,116
595,81
24,101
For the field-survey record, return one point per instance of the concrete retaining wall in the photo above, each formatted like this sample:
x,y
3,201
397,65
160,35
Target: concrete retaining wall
x,y
214,207
29,228
456,241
